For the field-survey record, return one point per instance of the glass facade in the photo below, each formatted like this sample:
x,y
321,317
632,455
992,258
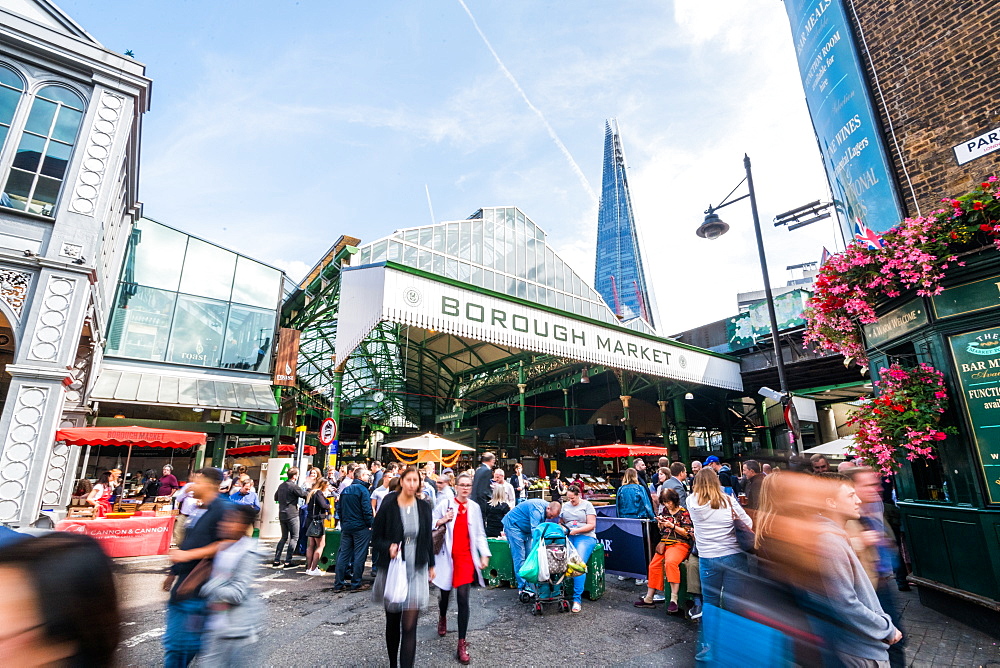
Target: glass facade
x,y
186,301
619,274
497,248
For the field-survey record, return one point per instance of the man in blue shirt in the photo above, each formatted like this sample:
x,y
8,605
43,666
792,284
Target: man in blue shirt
x,y
246,495
517,527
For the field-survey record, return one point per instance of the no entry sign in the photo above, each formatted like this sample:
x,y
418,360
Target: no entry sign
x,y
328,431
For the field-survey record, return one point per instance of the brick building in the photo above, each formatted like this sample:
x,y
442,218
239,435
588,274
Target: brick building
x,y
934,71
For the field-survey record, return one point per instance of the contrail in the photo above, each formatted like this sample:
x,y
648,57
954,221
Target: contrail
x,y
552,133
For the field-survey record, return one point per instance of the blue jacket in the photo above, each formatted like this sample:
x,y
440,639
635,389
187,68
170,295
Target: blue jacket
x,y
524,517
355,507
633,501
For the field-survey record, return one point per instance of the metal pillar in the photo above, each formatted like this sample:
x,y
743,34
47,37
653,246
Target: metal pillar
x,y
566,410
664,424
276,423
626,419
766,440
521,387
681,429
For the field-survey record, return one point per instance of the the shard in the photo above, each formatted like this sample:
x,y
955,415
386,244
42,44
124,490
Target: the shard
x,y
619,274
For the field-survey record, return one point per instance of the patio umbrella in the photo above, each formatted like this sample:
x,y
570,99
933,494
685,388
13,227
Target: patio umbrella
x,y
429,448
141,436
617,450
837,448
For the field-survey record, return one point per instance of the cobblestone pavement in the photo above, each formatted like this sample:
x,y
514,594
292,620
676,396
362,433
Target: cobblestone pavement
x,y
309,625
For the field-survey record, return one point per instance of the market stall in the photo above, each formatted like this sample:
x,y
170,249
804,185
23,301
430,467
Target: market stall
x,y
628,542
142,529
428,448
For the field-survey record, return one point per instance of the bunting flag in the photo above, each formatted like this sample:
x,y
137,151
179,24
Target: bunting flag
x,y
870,238
824,257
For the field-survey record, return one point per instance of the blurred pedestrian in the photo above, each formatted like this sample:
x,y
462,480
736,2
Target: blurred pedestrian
x,y
319,510
59,605
444,484
235,611
819,464
287,496
404,523
676,536
464,552
192,563
580,519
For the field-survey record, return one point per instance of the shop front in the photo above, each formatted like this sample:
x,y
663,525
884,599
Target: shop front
x,y
950,505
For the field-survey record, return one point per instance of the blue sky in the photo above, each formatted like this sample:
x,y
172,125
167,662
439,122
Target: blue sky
x,y
278,126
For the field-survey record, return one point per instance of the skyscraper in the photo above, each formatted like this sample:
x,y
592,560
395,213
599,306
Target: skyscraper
x,y
619,275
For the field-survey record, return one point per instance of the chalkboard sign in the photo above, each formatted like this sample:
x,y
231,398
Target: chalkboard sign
x,y
977,363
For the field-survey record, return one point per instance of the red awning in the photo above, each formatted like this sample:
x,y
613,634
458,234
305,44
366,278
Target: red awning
x,y
141,436
266,449
617,450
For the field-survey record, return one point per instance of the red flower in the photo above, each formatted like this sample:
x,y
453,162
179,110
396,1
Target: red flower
x,y
977,206
940,436
955,203
898,408
954,235
984,185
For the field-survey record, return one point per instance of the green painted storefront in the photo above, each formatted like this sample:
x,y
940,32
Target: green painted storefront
x,y
951,505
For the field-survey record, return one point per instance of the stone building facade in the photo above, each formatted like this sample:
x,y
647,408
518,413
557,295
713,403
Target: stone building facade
x,y
70,122
934,72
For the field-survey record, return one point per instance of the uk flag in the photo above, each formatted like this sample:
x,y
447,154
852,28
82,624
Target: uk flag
x,y
866,236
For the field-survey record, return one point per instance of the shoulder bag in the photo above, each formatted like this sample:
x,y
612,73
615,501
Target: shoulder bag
x,y
316,528
438,535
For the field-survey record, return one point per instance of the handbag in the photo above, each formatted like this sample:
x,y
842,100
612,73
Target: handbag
x,y
437,537
744,535
316,528
396,586
196,578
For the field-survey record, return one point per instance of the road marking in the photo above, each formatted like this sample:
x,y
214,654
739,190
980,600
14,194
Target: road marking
x,y
271,592
152,634
269,577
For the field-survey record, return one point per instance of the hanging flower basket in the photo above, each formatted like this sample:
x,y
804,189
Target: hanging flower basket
x,y
903,419
914,256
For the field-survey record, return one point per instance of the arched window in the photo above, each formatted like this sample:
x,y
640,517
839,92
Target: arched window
x,y
44,152
11,90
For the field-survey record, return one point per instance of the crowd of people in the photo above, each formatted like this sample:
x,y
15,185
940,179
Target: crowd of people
x,y
806,552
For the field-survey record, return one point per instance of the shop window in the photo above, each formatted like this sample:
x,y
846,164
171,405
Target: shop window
x,y
208,270
140,326
43,153
256,284
249,336
159,255
11,90
197,335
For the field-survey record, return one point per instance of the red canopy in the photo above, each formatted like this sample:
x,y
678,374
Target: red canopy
x,y
142,436
266,449
618,450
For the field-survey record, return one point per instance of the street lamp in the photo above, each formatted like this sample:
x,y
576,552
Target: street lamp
x,y
713,227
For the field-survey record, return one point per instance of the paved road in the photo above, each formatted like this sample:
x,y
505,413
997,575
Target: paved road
x,y
309,625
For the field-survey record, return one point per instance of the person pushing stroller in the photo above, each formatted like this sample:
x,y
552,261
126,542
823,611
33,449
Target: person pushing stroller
x,y
518,526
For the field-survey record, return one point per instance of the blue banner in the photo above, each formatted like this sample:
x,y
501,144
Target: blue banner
x,y
627,547
843,118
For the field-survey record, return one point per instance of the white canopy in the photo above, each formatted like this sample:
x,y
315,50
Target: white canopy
x,y
836,448
427,442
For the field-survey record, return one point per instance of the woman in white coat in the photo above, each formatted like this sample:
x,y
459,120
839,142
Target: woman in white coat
x,y
464,553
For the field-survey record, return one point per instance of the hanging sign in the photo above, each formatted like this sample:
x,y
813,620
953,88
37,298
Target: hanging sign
x,y
328,431
375,293
287,358
977,365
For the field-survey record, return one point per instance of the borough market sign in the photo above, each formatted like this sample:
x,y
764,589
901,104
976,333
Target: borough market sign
x,y
393,293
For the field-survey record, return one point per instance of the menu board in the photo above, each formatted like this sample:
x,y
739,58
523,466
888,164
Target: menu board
x,y
977,362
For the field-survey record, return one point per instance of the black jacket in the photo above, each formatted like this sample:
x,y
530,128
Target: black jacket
x,y
388,529
287,497
482,485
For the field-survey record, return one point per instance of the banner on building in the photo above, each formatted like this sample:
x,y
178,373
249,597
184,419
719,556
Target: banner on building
x,y
843,116
378,293
288,357
977,366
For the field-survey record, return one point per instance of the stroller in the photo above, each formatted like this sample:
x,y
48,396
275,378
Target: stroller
x,y
550,539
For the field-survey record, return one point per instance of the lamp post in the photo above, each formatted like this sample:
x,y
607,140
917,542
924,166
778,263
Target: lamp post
x,y
712,228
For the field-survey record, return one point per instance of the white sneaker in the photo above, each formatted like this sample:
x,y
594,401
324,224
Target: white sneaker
x,y
640,581
658,598
621,577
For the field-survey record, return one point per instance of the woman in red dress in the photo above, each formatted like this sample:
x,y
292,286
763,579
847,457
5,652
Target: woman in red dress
x,y
100,495
464,553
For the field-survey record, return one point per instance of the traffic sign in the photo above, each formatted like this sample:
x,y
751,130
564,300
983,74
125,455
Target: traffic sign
x,y
328,431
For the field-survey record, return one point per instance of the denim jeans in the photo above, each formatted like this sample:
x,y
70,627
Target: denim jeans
x,y
585,546
519,543
723,574
185,628
352,553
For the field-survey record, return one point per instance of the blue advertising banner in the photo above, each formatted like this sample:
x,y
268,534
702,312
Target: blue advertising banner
x,y
627,547
843,117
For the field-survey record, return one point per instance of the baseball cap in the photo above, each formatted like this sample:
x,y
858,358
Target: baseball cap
x,y
711,459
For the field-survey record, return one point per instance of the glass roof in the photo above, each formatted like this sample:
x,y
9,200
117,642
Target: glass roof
x,y
500,249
